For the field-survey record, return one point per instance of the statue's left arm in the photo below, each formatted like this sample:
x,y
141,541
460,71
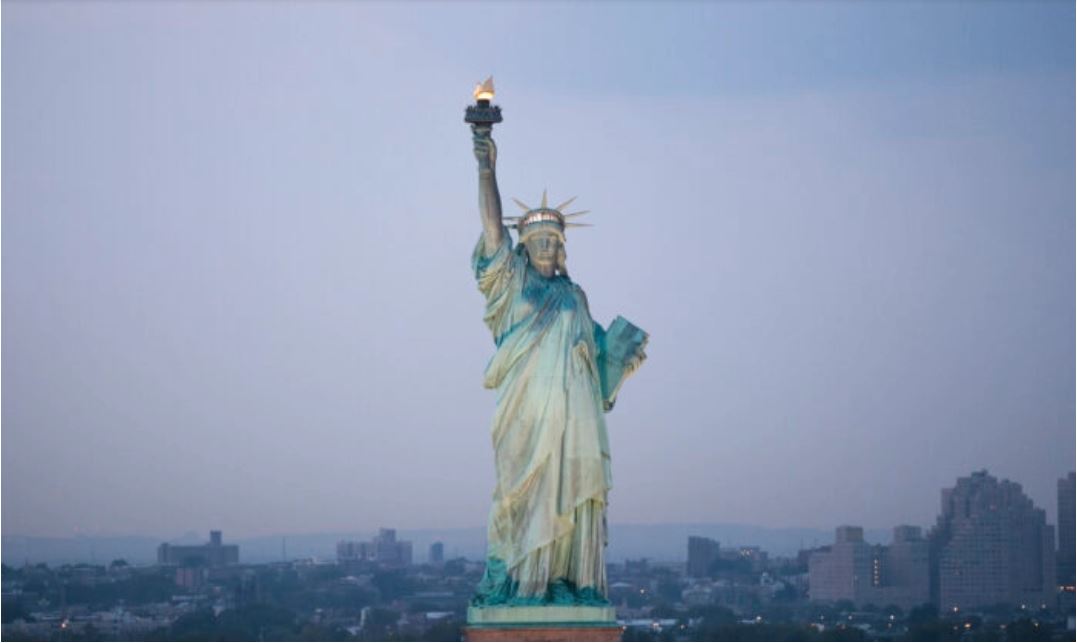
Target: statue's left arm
x,y
619,354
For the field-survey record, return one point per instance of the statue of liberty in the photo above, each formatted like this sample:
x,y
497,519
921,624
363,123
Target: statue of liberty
x,y
556,373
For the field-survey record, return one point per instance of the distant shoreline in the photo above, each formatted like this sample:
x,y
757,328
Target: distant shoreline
x,y
659,542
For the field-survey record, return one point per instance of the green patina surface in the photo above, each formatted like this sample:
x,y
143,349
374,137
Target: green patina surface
x,y
498,589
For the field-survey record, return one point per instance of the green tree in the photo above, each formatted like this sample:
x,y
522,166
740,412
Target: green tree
x,y
1027,629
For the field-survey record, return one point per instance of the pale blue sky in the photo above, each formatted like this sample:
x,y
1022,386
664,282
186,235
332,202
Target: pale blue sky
x,y
236,236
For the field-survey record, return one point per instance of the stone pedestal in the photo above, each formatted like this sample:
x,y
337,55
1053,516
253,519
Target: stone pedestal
x,y
542,623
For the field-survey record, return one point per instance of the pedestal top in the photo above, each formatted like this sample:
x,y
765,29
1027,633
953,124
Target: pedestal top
x,y
543,634
542,616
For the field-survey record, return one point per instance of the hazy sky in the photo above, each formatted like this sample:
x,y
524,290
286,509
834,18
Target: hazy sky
x,y
236,289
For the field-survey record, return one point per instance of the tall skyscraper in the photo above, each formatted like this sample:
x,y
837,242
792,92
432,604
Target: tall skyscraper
x,y
853,570
991,545
1066,493
702,554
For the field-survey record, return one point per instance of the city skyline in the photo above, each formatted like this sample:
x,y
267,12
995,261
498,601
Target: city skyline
x,y
986,568
237,285
629,541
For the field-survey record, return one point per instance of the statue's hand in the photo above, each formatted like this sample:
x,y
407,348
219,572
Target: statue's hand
x,y
485,148
635,361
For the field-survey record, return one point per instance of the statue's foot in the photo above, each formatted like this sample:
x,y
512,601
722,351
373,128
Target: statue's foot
x,y
565,592
591,596
561,592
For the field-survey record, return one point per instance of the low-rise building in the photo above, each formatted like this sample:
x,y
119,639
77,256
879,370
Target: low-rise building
x,y
212,554
384,549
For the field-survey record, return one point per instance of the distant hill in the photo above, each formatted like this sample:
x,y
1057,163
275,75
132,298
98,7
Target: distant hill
x,y
136,550
661,542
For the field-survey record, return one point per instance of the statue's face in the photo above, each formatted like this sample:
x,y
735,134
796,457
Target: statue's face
x,y
542,250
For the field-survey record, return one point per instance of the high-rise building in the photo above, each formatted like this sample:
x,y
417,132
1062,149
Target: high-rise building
x,y
906,569
840,571
384,549
702,554
437,554
1066,493
853,570
991,545
212,554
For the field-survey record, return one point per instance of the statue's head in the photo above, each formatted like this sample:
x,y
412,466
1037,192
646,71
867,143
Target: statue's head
x,y
545,250
542,233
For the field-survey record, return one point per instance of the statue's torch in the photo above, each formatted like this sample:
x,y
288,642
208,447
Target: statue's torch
x,y
482,115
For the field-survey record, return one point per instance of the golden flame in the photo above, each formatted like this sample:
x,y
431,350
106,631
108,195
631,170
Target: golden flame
x,y
485,89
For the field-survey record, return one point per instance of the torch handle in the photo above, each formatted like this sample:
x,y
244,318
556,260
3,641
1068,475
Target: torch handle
x,y
485,148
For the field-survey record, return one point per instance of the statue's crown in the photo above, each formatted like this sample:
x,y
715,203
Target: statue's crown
x,y
544,217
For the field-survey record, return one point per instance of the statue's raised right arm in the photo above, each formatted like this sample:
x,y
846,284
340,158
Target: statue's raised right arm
x,y
489,197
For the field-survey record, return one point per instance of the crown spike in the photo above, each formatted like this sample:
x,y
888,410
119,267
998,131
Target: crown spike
x,y
575,214
544,204
523,206
579,225
565,204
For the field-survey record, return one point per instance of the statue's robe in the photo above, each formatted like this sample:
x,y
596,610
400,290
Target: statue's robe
x,y
547,528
